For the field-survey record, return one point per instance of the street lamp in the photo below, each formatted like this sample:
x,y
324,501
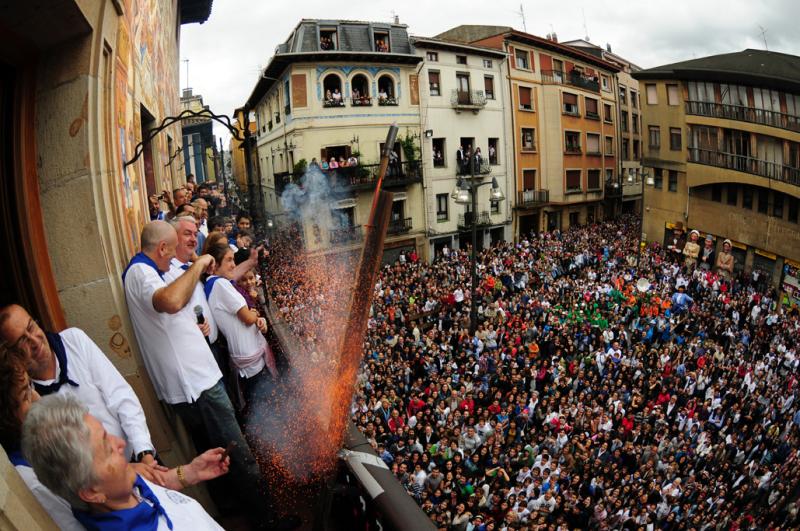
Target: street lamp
x,y
465,193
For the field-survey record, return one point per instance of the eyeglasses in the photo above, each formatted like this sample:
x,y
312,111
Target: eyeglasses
x,y
27,340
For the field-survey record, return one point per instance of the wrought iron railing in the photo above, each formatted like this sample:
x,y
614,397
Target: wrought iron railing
x,y
482,167
389,101
746,164
533,197
399,226
362,101
343,235
359,177
482,219
742,113
333,102
469,99
573,78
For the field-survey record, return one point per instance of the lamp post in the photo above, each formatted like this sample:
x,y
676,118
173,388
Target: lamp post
x,y
646,179
466,192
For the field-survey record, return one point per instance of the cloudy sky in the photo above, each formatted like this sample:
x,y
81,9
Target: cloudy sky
x,y
226,53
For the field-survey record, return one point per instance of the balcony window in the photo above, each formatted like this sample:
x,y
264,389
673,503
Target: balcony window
x,y
433,83
382,41
528,139
592,144
763,201
652,94
521,58
493,145
635,123
609,145
332,84
439,153
462,82
622,96
593,180
386,93
625,145
673,97
572,142
634,99
747,197
672,184
442,213
570,103
606,82
328,39
637,153
461,59
525,98
488,87
658,178
674,138
591,108
361,95
777,205
733,194
487,63
608,113
432,56
529,179
655,137
574,180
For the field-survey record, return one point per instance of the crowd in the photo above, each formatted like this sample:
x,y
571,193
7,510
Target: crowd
x,y
592,395
84,449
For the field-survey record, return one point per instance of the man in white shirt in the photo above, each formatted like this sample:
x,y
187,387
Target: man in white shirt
x,y
70,363
180,362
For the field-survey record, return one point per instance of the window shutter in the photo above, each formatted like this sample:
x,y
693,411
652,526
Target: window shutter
x,y
525,96
570,99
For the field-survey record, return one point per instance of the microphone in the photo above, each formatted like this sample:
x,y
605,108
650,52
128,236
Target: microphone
x,y
198,312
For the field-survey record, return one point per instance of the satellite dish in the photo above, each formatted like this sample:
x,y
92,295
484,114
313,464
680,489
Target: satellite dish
x,y
642,285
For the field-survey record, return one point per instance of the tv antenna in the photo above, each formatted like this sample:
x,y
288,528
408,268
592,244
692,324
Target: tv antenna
x,y
521,14
764,36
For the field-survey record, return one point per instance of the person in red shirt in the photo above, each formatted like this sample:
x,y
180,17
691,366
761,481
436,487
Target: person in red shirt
x,y
468,404
396,422
414,405
663,397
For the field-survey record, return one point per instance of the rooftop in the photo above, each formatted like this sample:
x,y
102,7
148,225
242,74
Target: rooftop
x,y
751,67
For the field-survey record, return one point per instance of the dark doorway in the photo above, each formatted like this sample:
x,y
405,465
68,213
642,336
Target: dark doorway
x,y
528,225
148,123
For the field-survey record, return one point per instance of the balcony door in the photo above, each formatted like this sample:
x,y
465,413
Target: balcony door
x,y
462,83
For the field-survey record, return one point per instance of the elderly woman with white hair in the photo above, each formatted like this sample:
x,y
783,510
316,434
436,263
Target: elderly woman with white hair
x,y
77,459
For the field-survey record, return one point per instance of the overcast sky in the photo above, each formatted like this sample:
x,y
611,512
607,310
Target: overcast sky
x,y
226,52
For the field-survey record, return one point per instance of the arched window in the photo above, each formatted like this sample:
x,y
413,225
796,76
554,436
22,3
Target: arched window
x,y
386,91
360,87
332,86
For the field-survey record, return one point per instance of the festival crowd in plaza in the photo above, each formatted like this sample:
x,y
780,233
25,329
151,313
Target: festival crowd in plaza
x,y
587,398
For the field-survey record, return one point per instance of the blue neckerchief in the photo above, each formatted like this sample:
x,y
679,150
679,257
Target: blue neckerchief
x,y
57,346
18,459
209,285
185,267
141,258
143,517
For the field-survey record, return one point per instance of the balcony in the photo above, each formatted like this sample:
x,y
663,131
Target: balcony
x,y
363,101
387,102
572,78
333,102
361,177
743,163
345,235
399,226
481,220
471,100
533,198
483,167
572,149
744,114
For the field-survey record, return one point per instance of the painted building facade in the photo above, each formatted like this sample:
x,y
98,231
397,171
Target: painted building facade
x,y
331,91
723,147
463,98
82,86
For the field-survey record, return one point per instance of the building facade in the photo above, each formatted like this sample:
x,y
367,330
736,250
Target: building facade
x,y
82,86
563,112
330,93
199,146
723,148
463,98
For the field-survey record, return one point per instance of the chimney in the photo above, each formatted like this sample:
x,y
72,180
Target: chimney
x,y
187,93
396,19
554,37
608,47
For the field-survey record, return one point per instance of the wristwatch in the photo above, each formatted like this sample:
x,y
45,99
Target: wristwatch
x,y
141,455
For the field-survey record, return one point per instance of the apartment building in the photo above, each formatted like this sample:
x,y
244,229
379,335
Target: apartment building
x,y
723,148
463,98
330,92
563,114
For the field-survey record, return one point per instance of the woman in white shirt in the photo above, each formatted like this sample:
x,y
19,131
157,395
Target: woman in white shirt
x,y
242,326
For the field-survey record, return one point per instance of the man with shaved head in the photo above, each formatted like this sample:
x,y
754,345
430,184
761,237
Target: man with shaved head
x,y
178,358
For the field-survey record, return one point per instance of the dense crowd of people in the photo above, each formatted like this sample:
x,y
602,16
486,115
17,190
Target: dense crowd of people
x,y
592,395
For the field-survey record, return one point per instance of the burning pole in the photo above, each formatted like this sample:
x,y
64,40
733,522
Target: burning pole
x,y
350,352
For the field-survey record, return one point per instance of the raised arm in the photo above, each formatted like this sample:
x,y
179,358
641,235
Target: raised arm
x,y
173,297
